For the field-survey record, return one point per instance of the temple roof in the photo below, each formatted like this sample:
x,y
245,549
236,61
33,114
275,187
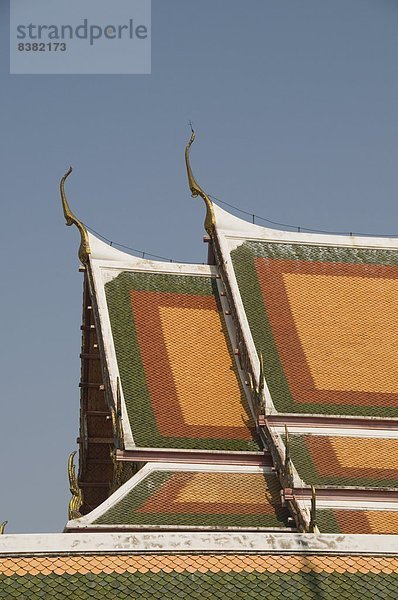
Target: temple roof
x,y
281,353
249,399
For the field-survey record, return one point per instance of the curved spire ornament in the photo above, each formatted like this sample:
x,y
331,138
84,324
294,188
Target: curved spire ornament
x,y
71,219
196,189
76,501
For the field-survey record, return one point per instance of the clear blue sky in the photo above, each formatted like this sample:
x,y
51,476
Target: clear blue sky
x,y
295,107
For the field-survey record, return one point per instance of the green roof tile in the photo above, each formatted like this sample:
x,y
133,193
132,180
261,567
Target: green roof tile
x,y
306,586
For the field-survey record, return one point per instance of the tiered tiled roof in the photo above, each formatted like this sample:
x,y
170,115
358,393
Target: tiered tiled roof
x,y
321,311
207,364
176,392
231,414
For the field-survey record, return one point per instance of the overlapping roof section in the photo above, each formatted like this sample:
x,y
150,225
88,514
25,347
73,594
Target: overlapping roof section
x,y
175,392
316,320
325,317
176,395
169,356
194,497
177,371
316,327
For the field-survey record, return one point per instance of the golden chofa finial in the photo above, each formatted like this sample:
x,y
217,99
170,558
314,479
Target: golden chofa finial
x,y
196,190
76,501
84,249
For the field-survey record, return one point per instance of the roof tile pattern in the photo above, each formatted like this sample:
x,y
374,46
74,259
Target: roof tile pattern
x,y
326,322
201,499
345,461
177,370
199,576
358,521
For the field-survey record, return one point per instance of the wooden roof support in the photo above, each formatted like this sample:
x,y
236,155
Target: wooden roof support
x,y
261,459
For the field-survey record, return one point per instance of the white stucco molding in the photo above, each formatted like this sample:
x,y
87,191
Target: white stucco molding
x,y
44,544
239,230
